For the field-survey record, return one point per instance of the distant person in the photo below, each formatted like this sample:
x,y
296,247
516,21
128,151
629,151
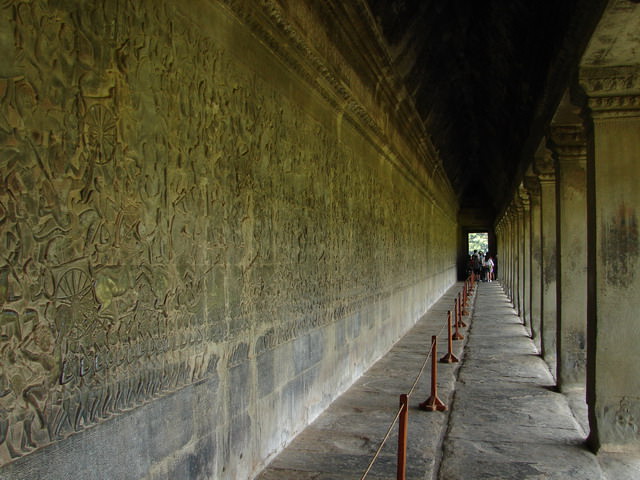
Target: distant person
x,y
495,267
488,262
475,263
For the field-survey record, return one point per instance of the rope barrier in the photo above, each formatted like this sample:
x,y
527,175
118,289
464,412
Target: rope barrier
x,y
432,403
384,440
424,364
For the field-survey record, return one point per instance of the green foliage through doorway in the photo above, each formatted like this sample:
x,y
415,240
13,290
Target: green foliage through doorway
x,y
478,241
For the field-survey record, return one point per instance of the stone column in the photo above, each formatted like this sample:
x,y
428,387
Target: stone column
x,y
543,166
613,380
507,261
535,254
512,256
525,257
517,254
498,231
568,144
499,251
509,265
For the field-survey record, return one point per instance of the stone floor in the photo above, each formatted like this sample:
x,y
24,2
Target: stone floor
x,y
505,420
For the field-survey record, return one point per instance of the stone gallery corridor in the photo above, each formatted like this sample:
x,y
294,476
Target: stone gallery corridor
x,y
220,218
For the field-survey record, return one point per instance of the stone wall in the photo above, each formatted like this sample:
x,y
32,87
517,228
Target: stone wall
x,y
201,245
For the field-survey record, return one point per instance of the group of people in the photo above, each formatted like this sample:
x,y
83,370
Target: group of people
x,y
483,265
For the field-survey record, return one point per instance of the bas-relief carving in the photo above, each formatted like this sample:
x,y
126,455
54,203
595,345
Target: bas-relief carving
x,y
619,420
156,202
612,90
99,263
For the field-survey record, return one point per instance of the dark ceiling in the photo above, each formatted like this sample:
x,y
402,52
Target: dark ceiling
x,y
486,77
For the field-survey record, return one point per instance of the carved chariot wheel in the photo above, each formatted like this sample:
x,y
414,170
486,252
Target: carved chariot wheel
x,y
101,134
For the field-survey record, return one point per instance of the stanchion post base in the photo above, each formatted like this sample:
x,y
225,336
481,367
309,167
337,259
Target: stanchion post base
x,y
449,358
432,404
457,336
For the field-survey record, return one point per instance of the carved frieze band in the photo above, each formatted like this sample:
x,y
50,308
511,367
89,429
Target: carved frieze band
x,y
290,45
612,91
609,81
615,106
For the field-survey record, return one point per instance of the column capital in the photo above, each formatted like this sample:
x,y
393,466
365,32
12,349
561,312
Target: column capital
x,y
568,143
543,166
532,184
512,213
612,92
523,195
517,204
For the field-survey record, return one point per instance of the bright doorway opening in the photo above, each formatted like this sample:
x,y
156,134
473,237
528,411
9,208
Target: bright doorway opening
x,y
478,241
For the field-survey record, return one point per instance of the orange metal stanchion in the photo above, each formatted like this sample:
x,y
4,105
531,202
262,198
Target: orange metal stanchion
x,y
465,300
459,312
402,437
449,357
457,335
433,402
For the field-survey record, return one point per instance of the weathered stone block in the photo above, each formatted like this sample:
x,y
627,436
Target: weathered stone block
x,y
308,351
240,388
265,373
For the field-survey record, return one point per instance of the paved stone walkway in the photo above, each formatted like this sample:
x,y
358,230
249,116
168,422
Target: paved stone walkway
x,y
341,442
505,419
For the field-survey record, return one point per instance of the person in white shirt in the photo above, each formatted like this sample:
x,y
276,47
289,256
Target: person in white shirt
x,y
488,264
